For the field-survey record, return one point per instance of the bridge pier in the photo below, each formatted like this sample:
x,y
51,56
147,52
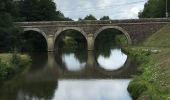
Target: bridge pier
x,y
50,43
91,59
90,42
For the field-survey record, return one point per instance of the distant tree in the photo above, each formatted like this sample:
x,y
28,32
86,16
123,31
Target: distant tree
x,y
105,18
154,9
90,17
80,19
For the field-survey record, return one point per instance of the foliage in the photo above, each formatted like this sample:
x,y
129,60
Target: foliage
x,y
12,65
39,10
121,39
152,81
154,9
136,89
105,18
90,17
71,39
8,31
34,10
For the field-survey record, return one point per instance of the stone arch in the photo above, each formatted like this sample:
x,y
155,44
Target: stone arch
x,y
60,30
114,27
38,31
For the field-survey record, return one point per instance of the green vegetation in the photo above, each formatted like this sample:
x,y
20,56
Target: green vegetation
x,y
10,64
71,39
152,82
39,10
90,17
155,9
105,18
8,32
160,38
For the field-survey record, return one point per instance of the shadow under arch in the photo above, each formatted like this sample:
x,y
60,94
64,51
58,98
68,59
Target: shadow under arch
x,y
38,31
62,30
113,27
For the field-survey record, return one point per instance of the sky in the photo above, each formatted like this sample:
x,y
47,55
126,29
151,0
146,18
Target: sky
x,y
115,9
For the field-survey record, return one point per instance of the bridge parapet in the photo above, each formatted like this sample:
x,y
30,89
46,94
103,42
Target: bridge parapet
x,y
91,22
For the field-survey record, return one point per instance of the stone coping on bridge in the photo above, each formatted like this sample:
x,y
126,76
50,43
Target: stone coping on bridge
x,y
145,20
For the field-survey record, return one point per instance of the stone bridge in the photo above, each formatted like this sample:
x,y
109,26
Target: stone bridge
x,y
135,30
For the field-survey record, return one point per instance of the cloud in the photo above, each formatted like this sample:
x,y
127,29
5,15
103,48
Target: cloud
x,y
122,9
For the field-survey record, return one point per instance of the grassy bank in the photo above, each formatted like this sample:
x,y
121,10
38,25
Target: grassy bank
x,y
153,80
10,64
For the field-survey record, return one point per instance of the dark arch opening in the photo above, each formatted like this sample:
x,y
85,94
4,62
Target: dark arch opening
x,y
109,54
110,37
70,39
32,41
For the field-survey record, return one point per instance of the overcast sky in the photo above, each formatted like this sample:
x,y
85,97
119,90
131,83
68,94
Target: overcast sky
x,y
116,9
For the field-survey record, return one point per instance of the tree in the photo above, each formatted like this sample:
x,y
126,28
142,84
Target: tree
x,y
40,10
8,32
105,18
154,9
90,17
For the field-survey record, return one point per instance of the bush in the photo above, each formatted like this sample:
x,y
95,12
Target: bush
x,y
15,64
136,89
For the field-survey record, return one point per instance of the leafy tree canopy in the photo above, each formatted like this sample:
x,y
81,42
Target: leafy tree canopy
x,y
7,30
90,17
154,9
105,18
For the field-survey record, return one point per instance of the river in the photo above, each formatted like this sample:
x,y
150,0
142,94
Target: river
x,y
73,75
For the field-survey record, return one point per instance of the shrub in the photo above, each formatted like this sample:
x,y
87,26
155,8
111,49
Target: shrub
x,y
136,88
13,66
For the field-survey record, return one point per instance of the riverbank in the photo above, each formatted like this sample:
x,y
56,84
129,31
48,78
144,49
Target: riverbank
x,y
11,64
153,80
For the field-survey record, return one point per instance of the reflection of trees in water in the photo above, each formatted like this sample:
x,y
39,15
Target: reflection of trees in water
x,y
38,60
71,39
107,40
80,55
32,41
41,90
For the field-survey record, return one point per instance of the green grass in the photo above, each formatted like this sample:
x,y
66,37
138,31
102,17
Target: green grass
x,y
5,57
160,38
153,80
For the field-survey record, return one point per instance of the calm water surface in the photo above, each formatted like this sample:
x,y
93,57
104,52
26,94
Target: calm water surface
x,y
73,76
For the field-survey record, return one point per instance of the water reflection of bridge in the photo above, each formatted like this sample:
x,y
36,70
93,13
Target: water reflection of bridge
x,y
92,70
